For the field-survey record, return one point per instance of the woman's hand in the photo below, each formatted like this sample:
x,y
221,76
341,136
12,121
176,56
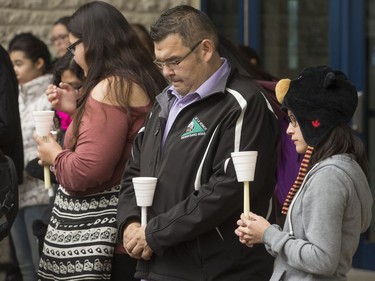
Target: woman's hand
x,y
47,150
250,230
63,98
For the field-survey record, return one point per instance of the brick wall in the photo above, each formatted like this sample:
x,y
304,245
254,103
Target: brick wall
x,y
38,16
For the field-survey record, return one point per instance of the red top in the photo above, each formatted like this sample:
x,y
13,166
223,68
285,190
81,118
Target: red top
x,y
103,147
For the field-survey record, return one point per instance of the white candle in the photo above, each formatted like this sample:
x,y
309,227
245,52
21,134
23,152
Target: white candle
x,y
246,198
47,176
143,216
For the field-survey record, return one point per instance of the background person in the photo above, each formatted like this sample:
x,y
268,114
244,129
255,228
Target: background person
x,y
60,41
117,93
10,124
144,36
10,132
251,55
208,111
67,71
288,159
31,62
330,203
60,36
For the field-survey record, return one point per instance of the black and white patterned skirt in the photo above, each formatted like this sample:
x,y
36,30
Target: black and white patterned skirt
x,y
81,236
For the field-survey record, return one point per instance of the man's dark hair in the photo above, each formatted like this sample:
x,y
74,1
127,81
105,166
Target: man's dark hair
x,y
189,23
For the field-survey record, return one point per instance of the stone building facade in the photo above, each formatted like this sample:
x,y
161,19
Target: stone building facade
x,y
38,16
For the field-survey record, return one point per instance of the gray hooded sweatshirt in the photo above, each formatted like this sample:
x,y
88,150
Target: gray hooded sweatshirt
x,y
324,222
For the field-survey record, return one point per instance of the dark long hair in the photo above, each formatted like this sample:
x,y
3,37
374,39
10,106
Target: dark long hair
x,y
342,139
112,49
10,124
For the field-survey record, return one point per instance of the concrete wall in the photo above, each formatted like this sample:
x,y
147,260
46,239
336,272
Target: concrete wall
x,y
38,16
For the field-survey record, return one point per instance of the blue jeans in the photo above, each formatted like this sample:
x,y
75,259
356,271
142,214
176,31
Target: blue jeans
x,y
25,242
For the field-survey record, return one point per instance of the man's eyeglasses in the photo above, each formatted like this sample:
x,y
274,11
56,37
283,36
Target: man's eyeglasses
x,y
72,47
293,120
173,64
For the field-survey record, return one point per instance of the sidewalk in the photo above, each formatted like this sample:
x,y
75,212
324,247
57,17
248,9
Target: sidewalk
x,y
354,275
361,275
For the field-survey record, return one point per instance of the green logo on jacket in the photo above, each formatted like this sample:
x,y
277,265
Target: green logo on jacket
x,y
194,129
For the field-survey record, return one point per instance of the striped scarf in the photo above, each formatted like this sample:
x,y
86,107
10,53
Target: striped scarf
x,y
297,183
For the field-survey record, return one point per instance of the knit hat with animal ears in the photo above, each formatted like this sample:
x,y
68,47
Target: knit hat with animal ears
x,y
320,99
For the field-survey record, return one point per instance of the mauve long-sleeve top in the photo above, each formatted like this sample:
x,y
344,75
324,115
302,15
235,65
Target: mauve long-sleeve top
x,y
104,143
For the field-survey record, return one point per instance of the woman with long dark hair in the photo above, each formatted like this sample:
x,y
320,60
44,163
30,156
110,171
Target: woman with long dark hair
x,y
119,89
329,204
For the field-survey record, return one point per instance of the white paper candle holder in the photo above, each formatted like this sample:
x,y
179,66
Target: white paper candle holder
x,y
144,188
244,163
43,123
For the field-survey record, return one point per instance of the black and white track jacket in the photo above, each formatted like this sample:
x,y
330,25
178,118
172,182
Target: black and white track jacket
x,y
197,199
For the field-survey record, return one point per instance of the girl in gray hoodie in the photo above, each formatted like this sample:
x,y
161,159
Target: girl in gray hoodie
x,y
329,205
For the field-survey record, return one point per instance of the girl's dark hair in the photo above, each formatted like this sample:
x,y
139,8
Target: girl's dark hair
x,y
342,139
112,49
33,47
66,62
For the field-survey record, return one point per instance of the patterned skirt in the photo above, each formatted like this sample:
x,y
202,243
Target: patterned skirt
x,y
81,236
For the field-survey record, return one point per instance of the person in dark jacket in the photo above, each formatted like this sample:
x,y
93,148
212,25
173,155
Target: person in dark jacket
x,y
10,131
208,111
10,125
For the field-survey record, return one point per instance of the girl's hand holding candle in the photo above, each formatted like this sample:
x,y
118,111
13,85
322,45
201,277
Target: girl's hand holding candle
x,y
244,163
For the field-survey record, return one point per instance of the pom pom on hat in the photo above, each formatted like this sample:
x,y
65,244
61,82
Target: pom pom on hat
x,y
320,99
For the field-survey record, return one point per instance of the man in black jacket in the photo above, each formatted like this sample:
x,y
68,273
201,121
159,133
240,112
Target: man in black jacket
x,y
207,112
